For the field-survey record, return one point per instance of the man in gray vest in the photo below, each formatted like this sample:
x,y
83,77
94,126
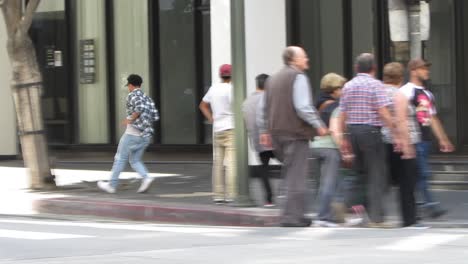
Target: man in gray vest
x,y
289,117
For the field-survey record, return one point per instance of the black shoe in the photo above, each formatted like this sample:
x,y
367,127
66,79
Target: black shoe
x,y
436,213
219,201
305,222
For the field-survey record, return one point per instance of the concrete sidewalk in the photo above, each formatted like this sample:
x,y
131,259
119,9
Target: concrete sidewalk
x,y
181,193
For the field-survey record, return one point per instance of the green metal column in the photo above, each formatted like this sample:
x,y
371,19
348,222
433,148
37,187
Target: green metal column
x,y
239,87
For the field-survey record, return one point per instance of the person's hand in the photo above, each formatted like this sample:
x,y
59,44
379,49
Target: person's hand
x,y
446,146
398,145
408,152
126,122
322,131
347,155
265,140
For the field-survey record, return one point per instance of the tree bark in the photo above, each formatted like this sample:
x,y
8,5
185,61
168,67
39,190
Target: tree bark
x,y
26,87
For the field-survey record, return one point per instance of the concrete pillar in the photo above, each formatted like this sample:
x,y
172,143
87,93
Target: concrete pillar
x,y
415,29
8,144
263,44
265,37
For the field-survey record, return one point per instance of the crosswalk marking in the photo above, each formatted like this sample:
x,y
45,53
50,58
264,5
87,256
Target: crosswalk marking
x,y
307,234
421,242
36,235
133,227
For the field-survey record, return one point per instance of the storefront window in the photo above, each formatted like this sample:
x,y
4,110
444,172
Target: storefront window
x,y
439,50
320,33
178,87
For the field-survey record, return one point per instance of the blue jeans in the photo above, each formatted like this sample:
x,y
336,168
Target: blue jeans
x,y
131,148
422,150
330,161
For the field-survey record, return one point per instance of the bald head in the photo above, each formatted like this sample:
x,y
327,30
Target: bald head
x,y
365,63
296,57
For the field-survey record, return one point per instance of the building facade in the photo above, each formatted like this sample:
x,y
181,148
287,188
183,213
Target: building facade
x,y
87,48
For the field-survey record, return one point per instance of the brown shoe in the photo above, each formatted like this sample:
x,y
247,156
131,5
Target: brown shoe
x,y
339,211
379,225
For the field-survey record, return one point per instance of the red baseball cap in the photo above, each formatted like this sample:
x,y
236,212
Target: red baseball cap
x,y
225,70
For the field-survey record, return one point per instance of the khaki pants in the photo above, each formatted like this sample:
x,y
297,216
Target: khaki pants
x,y
224,181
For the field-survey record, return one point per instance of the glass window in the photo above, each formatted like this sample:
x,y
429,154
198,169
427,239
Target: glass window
x,y
439,50
178,87
320,33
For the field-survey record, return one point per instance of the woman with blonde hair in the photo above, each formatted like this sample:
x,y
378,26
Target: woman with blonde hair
x,y
325,148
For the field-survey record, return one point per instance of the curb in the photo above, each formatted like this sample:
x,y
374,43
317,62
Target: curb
x,y
173,213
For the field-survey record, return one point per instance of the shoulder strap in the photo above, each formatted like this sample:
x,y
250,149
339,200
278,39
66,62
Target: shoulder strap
x,y
325,105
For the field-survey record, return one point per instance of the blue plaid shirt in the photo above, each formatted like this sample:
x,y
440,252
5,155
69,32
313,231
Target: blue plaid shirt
x,y
138,101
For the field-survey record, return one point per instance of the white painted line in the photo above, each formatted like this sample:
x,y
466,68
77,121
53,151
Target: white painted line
x,y
307,234
421,242
141,227
36,235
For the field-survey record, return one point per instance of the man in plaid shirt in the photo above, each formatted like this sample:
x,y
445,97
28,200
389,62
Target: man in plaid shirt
x,y
141,113
364,106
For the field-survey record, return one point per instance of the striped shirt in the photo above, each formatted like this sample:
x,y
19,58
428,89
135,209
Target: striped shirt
x,y
362,97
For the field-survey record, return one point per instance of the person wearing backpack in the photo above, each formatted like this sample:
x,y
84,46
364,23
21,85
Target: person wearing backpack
x,y
326,150
141,114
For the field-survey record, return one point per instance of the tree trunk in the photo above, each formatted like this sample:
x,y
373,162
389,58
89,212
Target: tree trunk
x,y
27,88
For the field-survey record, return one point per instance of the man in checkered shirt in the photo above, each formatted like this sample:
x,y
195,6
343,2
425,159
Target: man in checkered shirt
x,y
364,106
141,114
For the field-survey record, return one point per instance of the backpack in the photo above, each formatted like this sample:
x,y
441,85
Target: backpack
x,y
326,110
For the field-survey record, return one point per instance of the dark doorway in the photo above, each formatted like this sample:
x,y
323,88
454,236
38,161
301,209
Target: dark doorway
x,y
461,22
49,34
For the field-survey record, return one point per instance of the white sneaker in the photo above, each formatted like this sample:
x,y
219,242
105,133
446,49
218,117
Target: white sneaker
x,y
322,223
145,184
105,186
417,227
355,221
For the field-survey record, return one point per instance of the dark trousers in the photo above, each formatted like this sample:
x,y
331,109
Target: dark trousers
x,y
265,157
293,153
370,164
403,172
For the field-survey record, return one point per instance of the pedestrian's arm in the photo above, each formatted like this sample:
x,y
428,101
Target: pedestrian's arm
x,y
337,128
262,122
438,129
382,102
137,107
387,120
205,108
302,100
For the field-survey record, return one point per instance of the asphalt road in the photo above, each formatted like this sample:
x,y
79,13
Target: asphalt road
x,y
28,240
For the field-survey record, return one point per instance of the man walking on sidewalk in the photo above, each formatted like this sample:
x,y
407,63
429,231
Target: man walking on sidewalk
x,y
265,153
290,118
426,115
364,110
141,114
216,106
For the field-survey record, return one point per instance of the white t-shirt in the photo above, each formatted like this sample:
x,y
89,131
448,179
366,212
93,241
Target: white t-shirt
x,y
423,102
219,96
408,91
